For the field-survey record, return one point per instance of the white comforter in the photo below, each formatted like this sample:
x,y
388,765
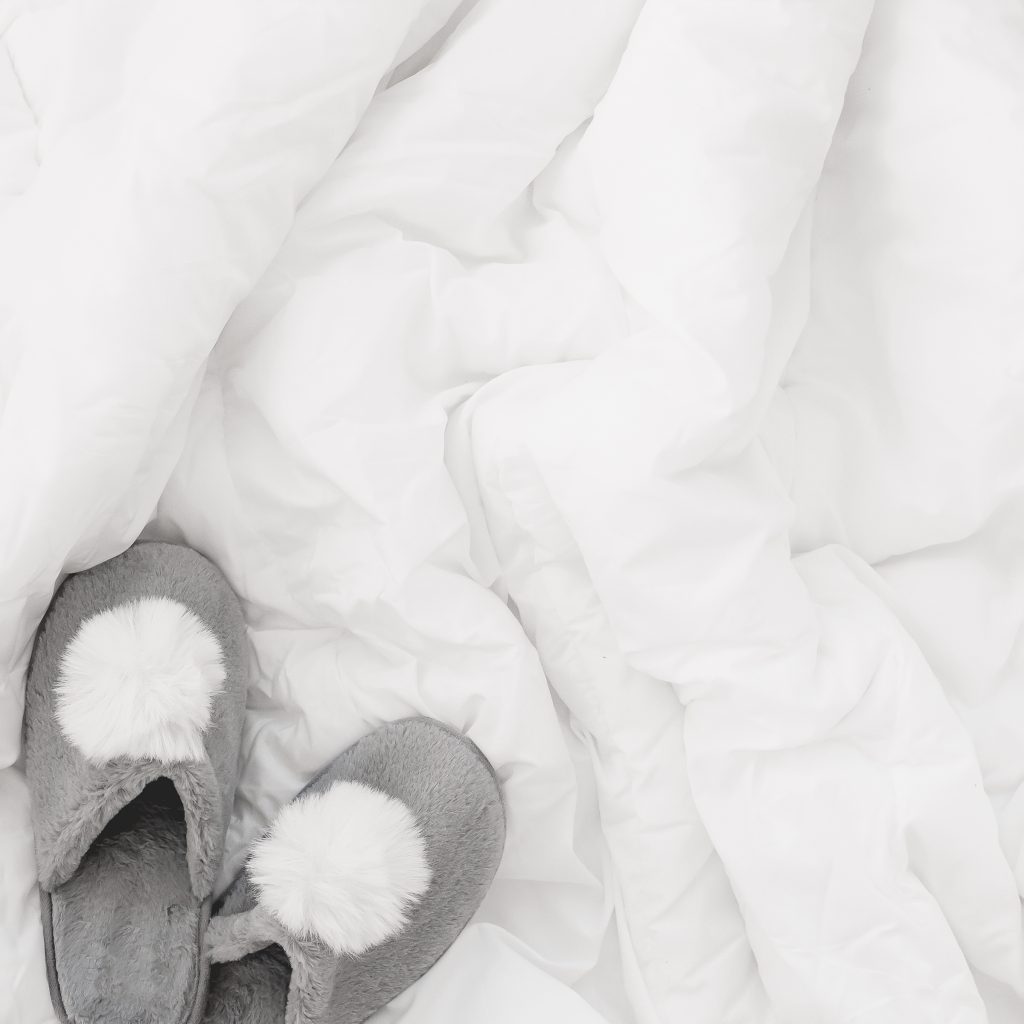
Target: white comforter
x,y
638,387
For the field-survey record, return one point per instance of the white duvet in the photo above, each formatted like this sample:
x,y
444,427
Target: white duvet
x,y
638,387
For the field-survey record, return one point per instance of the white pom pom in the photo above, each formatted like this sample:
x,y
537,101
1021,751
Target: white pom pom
x,y
343,866
138,681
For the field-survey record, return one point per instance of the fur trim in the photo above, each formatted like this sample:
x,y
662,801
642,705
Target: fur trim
x,y
63,838
138,681
342,866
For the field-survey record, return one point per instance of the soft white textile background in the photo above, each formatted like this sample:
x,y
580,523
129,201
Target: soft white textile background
x,y
636,386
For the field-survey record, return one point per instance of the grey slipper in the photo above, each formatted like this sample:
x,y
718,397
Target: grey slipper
x,y
133,717
361,883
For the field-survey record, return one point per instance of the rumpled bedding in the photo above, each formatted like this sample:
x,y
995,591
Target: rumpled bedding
x,y
636,386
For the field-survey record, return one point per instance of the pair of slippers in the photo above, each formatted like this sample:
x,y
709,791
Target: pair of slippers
x,y
133,721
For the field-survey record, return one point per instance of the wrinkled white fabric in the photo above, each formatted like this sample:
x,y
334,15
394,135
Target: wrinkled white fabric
x,y
636,386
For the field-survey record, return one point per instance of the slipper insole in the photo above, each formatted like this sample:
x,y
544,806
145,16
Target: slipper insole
x,y
126,926
253,990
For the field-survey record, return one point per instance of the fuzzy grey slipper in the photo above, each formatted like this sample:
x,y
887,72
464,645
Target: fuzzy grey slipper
x,y
133,717
362,882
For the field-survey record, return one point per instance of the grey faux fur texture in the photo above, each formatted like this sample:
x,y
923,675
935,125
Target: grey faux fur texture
x,y
255,991
452,790
133,889
74,800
